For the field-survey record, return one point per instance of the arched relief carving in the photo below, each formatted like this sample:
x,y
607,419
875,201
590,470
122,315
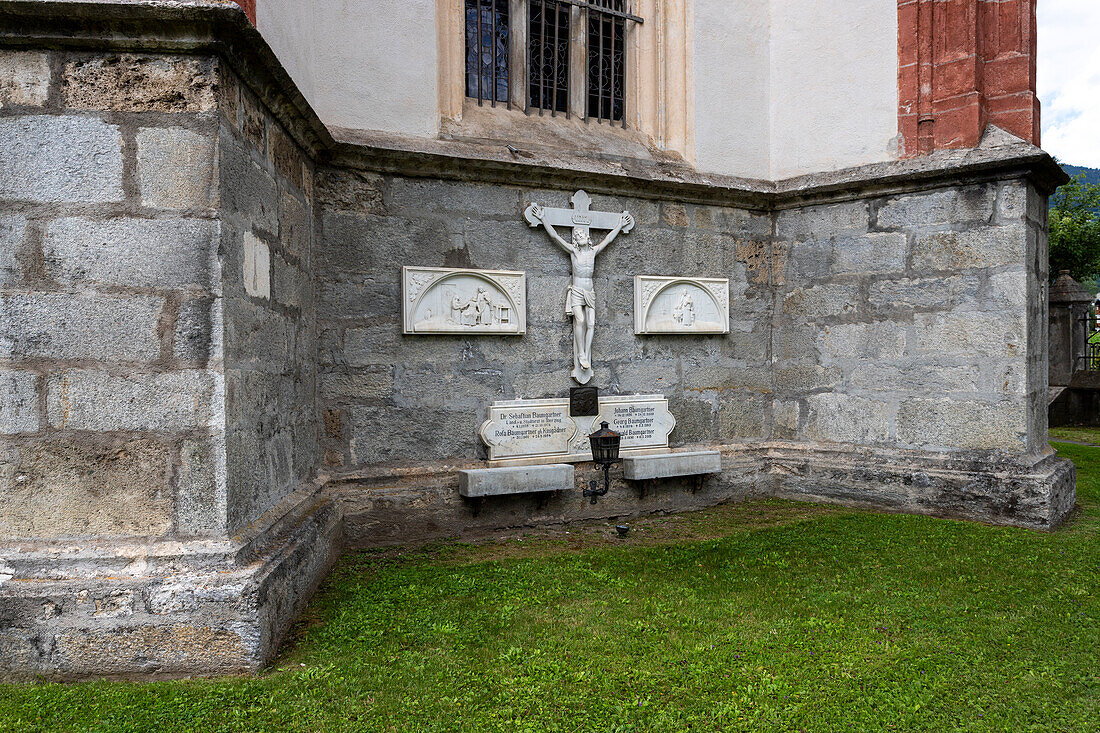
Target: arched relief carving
x,y
438,300
681,305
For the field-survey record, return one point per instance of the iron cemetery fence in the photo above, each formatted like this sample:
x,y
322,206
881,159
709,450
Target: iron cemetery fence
x,y
557,56
1089,360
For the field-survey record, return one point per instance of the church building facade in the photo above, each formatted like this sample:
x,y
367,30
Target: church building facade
x,y
279,279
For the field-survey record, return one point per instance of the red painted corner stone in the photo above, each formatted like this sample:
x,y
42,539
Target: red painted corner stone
x,y
249,8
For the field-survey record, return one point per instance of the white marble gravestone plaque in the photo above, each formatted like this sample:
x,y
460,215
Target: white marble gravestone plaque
x,y
685,305
529,430
439,300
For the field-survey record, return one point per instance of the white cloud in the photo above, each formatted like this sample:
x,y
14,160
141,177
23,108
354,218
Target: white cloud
x,y
1069,79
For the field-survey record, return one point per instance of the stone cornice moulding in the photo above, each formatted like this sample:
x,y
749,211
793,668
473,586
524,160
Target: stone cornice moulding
x,y
221,27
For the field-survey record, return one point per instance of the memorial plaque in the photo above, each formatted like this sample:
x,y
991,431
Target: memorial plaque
x,y
530,430
584,401
642,422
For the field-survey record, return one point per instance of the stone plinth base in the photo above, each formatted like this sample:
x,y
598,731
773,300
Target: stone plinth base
x,y
978,486
164,609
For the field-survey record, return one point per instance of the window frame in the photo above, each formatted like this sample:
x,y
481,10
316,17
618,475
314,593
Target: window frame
x,y
519,23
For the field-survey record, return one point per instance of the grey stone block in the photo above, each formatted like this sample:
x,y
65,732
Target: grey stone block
x,y
806,377
842,418
295,226
731,221
12,229
24,78
162,253
905,379
665,465
357,385
374,244
955,205
447,434
1008,291
18,402
247,191
140,83
51,159
175,168
289,286
1012,201
928,292
822,300
479,482
80,487
821,222
200,490
876,340
421,195
870,253
256,335
952,425
785,417
79,326
168,402
976,335
974,248
198,335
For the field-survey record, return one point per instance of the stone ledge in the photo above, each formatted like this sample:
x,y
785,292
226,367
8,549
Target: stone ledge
x,y
667,465
508,480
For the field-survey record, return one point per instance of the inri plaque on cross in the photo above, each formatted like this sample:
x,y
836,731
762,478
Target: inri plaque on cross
x,y
580,297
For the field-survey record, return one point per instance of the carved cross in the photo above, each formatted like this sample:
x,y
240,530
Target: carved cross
x,y
580,216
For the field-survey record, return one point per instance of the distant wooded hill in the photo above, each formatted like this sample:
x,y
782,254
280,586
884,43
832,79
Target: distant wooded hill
x,y
1092,175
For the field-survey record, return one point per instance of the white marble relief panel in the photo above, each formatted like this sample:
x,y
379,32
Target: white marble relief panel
x,y
439,300
684,305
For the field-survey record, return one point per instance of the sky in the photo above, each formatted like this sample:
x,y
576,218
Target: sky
x,y
1069,79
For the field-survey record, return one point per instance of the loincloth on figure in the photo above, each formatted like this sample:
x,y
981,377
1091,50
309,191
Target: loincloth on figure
x,y
575,297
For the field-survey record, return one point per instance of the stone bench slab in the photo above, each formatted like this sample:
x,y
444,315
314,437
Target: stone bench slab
x,y
666,465
478,482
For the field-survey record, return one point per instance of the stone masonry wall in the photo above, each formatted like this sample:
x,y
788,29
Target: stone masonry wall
x,y
148,389
110,375
908,321
899,322
390,398
266,185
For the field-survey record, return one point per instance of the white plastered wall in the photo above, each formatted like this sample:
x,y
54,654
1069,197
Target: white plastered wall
x,y
781,87
362,64
731,87
833,84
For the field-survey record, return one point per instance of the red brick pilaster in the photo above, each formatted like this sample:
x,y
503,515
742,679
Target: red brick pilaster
x,y
249,9
963,64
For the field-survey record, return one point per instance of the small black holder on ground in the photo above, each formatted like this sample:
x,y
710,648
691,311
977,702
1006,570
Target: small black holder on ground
x,y
605,453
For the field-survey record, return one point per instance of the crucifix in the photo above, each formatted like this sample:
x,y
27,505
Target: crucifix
x,y
580,297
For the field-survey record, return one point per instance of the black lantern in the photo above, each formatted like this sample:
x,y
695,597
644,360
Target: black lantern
x,y
605,445
605,452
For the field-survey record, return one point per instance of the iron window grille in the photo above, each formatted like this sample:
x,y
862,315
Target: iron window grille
x,y
487,50
557,56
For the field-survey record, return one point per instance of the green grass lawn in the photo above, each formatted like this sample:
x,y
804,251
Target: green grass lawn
x,y
762,616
